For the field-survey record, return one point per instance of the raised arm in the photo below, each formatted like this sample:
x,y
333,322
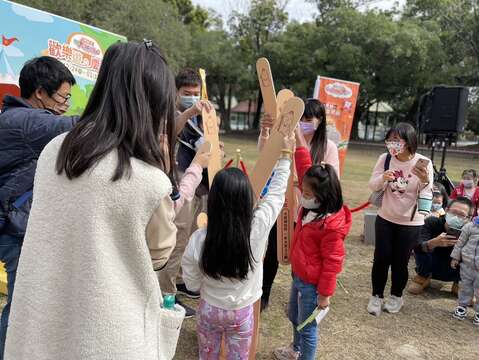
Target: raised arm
x,y
269,207
190,113
266,125
45,127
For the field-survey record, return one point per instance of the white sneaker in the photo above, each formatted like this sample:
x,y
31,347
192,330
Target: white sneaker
x,y
460,313
375,305
286,353
394,304
475,321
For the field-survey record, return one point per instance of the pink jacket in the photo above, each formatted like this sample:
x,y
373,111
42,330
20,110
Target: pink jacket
x,y
189,182
400,196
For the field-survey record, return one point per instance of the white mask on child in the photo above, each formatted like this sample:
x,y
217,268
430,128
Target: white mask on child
x,y
309,204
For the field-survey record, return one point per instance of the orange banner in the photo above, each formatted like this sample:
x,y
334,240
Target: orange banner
x,y
339,98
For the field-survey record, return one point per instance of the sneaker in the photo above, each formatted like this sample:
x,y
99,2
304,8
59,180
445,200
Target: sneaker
x,y
286,353
418,284
455,289
475,321
181,289
460,313
394,304
375,305
189,312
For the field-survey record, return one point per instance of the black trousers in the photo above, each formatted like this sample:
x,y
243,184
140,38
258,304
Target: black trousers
x,y
394,244
270,265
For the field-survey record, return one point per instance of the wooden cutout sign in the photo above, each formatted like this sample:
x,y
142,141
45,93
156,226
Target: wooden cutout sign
x,y
291,113
267,87
285,222
204,92
283,96
210,130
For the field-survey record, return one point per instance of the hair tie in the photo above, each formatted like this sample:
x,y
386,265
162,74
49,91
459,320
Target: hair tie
x,y
148,44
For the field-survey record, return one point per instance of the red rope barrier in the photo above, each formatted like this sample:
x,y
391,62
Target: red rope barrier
x,y
360,207
228,164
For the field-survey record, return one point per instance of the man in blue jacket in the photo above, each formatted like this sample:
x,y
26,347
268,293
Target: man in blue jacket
x,y
27,125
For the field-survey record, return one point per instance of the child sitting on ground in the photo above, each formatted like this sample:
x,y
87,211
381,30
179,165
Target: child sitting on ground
x,y
317,251
224,261
468,188
466,253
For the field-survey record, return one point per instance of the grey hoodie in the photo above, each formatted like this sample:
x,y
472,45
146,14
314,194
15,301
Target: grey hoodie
x,y
467,248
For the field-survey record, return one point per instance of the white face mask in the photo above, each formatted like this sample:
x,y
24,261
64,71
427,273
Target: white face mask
x,y
309,204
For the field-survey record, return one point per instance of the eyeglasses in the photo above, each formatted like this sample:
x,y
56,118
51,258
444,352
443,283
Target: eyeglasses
x,y
66,99
459,215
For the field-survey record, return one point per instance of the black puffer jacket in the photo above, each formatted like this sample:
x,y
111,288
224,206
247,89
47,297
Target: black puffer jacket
x,y
24,132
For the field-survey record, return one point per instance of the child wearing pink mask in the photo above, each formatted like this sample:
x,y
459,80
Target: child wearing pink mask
x,y
468,188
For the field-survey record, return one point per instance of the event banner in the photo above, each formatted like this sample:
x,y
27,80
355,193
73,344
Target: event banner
x,y
26,33
339,98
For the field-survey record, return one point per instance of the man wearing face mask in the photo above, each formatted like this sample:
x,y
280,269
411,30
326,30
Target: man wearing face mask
x,y
27,124
436,242
189,127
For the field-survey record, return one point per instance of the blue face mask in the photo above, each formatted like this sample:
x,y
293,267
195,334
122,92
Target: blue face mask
x,y
436,207
454,222
188,101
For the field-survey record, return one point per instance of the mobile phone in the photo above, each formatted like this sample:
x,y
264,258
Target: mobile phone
x,y
422,163
453,233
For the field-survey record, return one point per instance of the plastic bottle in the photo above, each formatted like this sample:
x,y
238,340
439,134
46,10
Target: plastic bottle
x,y
169,302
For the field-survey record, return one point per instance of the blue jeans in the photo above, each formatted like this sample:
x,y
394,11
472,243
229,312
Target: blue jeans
x,y
436,264
302,302
10,248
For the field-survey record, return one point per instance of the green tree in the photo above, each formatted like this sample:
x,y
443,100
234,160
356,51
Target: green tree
x,y
253,30
216,52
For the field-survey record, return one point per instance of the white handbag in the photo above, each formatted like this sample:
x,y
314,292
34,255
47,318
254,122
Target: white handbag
x,y
169,327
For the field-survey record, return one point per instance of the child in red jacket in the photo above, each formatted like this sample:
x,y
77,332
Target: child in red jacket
x,y
317,251
468,188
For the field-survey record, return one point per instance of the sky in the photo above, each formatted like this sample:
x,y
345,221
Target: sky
x,y
300,10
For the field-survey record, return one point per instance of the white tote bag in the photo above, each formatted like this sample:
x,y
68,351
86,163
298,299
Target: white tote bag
x,y
169,327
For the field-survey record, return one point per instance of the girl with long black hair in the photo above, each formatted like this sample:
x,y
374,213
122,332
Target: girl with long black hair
x,y
101,222
224,261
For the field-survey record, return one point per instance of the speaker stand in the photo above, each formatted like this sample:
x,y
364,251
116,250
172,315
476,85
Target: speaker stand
x,y
440,175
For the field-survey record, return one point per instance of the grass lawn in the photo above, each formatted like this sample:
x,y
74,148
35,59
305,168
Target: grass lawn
x,y
424,329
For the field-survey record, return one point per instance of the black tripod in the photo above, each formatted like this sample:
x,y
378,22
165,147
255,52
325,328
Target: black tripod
x,y
441,141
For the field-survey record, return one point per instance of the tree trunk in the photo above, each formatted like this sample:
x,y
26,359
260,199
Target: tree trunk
x,y
257,116
228,109
225,121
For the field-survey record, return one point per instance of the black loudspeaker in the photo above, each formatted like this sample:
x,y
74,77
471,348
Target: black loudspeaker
x,y
443,110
